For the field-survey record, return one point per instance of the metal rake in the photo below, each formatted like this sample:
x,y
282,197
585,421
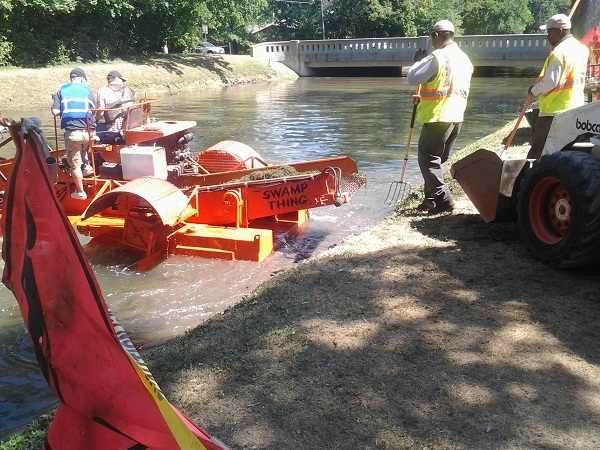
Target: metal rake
x,y
400,189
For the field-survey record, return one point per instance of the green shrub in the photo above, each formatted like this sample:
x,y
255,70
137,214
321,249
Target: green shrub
x,y
6,49
31,438
60,55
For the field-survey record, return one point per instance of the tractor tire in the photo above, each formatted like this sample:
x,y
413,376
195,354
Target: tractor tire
x,y
559,209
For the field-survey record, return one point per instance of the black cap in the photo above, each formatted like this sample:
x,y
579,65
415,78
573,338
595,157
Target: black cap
x,y
77,72
115,74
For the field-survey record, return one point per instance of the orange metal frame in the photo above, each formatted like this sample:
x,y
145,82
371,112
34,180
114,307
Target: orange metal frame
x,y
224,218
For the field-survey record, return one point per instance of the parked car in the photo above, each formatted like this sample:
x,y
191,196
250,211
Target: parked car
x,y
208,47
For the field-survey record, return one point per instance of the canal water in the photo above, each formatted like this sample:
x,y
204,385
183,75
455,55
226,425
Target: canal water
x,y
366,118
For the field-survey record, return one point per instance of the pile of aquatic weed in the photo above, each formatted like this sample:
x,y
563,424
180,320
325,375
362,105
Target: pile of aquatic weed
x,y
497,140
408,206
272,172
31,438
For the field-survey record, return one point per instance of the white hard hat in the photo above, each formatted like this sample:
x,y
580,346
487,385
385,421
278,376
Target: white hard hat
x,y
443,25
557,22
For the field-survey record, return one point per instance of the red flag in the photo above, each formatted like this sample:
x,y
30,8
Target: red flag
x,y
108,398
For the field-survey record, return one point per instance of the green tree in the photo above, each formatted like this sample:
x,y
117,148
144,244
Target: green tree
x,y
230,18
358,18
295,20
496,16
427,12
37,32
364,18
541,10
5,44
381,18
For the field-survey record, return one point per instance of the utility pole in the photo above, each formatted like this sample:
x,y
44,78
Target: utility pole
x,y
322,21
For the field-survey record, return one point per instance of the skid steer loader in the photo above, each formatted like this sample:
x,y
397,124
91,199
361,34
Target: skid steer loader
x,y
556,199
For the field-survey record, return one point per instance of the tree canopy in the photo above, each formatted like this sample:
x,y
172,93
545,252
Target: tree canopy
x,y
39,32
496,16
381,18
57,31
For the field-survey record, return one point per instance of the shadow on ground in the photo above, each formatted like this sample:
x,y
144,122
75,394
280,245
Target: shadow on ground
x,y
574,286
177,63
465,342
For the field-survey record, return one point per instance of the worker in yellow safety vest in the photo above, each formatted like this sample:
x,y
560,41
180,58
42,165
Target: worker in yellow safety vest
x,y
561,83
445,76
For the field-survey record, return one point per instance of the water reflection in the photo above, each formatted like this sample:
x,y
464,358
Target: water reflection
x,y
366,118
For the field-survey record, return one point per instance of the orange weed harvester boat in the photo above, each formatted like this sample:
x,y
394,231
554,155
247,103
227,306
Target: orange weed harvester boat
x,y
150,193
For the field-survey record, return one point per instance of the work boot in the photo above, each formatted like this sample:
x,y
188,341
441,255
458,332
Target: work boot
x,y
425,206
442,207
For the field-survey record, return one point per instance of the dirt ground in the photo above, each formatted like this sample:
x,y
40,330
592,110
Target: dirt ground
x,y
434,332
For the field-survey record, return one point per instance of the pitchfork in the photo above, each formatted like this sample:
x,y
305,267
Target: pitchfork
x,y
399,190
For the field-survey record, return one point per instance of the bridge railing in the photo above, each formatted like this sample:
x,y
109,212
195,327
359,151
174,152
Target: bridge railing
x,y
518,47
361,49
515,47
275,51
401,48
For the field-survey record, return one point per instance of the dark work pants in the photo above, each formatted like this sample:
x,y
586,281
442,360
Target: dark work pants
x,y
540,133
435,145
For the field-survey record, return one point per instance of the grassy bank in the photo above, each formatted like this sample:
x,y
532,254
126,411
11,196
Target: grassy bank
x,y
424,332
151,75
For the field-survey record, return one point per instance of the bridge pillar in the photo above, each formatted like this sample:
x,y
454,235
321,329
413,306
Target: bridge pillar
x,y
300,66
286,53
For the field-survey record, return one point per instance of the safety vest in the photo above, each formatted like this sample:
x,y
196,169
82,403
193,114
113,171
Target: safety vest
x,y
444,99
75,103
572,55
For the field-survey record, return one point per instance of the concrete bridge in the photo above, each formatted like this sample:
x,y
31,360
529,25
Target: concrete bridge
x,y
308,58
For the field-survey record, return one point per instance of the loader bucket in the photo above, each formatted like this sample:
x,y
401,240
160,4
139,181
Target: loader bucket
x,y
486,178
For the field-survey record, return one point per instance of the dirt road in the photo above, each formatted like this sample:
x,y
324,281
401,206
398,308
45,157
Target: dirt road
x,y
425,332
